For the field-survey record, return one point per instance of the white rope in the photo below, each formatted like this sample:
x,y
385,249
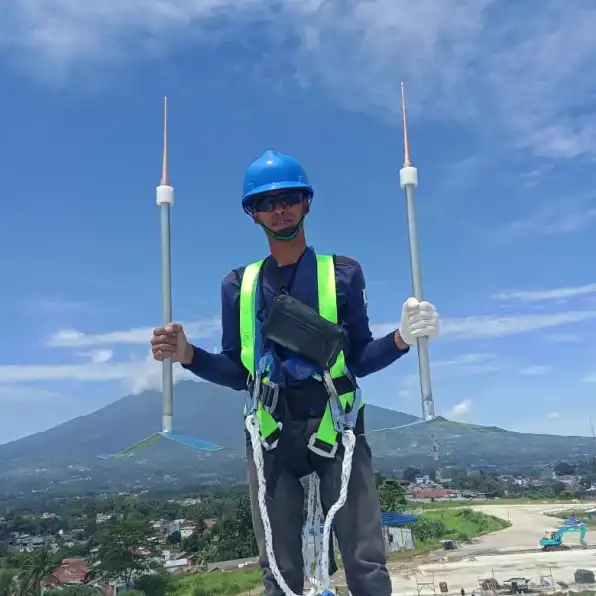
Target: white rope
x,y
321,582
349,442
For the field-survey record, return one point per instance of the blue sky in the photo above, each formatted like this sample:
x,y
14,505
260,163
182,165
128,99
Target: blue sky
x,y
501,103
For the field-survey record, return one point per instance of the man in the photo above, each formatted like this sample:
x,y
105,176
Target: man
x,y
277,195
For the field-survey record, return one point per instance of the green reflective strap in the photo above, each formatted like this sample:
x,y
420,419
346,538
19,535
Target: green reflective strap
x,y
267,423
326,432
328,303
328,310
248,293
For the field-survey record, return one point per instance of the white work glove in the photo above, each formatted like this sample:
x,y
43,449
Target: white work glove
x,y
418,319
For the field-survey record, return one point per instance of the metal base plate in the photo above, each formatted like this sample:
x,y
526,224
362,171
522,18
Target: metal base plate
x,y
152,440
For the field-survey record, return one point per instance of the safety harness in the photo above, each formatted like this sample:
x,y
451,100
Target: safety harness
x,y
345,400
264,428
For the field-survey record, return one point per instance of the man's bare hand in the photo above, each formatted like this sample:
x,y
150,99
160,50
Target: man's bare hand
x,y
170,342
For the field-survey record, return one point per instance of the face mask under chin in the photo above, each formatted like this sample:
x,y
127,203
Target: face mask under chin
x,y
287,233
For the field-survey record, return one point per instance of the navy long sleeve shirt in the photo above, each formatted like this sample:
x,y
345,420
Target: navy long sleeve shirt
x,y
364,354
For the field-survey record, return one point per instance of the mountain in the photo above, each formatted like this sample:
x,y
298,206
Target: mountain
x,y
68,456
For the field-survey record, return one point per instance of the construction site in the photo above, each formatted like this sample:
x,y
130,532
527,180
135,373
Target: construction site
x,y
537,554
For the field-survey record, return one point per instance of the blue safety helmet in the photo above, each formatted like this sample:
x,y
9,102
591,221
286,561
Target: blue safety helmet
x,y
273,171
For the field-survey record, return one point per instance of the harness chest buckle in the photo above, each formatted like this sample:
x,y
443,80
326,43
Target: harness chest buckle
x,y
342,419
269,395
251,402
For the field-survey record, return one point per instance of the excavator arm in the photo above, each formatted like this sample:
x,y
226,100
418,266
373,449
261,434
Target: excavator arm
x,y
555,541
581,528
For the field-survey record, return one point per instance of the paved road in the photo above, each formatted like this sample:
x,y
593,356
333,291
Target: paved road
x,y
528,523
498,554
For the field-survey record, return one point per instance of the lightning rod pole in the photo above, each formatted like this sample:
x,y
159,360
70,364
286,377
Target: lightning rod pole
x,y
165,198
408,178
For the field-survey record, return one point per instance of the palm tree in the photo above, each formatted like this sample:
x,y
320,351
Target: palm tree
x,y
38,565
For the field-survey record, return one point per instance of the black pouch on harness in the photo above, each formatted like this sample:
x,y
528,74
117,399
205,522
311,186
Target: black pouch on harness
x,y
297,327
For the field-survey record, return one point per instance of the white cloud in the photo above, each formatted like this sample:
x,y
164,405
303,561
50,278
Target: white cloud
x,y
496,65
465,359
554,416
546,295
149,375
55,307
99,356
536,371
590,378
563,338
466,364
116,371
410,387
72,338
559,219
461,410
469,364
491,326
136,375
405,394
26,394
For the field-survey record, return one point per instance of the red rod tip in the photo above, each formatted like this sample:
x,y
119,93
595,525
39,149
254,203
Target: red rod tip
x,y
164,166
407,158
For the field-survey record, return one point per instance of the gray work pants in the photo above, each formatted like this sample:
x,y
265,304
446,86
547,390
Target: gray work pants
x,y
357,525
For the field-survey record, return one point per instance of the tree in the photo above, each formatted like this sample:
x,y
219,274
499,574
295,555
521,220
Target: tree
x,y
410,474
428,528
564,469
6,577
232,537
125,550
155,584
36,567
391,495
480,482
558,487
196,541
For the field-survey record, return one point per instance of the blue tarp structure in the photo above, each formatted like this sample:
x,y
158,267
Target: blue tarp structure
x,y
391,519
395,518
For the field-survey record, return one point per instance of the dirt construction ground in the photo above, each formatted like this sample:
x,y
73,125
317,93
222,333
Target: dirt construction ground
x,y
513,552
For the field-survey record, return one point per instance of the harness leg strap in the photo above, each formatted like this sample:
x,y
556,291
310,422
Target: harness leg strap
x,y
321,448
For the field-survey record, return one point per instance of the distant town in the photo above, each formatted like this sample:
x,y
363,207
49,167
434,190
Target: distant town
x,y
186,534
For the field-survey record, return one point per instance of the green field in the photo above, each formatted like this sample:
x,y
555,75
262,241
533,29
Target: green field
x,y
222,583
461,525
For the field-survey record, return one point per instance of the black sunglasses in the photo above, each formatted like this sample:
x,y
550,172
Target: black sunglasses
x,y
268,202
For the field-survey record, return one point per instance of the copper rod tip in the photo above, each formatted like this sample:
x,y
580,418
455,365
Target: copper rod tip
x,y
164,165
407,158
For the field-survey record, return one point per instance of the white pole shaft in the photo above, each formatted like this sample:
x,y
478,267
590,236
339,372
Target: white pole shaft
x,y
166,310
428,407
